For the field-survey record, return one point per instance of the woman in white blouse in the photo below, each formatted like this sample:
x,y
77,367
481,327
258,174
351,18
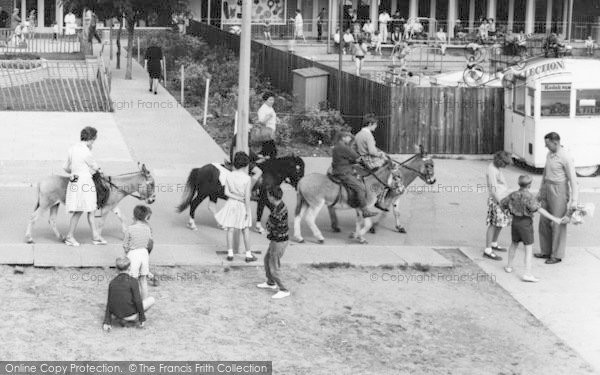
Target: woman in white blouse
x,y
81,191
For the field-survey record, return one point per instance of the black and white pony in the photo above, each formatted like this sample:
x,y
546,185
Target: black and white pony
x,y
207,182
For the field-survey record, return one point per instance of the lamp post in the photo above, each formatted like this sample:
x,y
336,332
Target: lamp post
x,y
244,78
341,17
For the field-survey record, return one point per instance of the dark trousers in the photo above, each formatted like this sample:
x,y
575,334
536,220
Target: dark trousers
x,y
273,263
355,185
92,33
319,31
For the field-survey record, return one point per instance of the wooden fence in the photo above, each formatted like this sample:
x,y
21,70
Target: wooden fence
x,y
453,120
446,120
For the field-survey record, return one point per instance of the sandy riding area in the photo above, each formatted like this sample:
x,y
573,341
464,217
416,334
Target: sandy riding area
x,y
338,320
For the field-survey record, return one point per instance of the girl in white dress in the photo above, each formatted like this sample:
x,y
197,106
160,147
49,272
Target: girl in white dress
x,y
236,213
81,191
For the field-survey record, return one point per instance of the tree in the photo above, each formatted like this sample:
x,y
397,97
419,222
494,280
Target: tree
x,y
131,11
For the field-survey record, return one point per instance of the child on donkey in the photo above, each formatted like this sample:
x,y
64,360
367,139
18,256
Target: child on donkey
x,y
137,244
278,235
523,205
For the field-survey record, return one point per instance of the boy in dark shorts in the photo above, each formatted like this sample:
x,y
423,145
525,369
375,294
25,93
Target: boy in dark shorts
x,y
522,205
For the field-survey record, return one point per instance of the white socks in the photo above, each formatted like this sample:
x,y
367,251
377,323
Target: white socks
x,y
494,244
230,252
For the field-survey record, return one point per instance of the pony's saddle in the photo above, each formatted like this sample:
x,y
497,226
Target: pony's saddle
x,y
352,196
102,189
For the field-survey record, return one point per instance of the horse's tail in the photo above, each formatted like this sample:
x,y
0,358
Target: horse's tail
x,y
188,192
300,201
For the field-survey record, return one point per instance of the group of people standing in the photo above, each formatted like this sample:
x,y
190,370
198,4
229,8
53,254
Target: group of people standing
x,y
557,198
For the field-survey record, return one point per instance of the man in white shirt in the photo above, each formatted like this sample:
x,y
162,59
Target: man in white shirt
x,y
384,18
369,29
348,41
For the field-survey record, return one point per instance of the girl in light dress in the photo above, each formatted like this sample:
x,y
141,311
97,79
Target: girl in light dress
x,y
236,213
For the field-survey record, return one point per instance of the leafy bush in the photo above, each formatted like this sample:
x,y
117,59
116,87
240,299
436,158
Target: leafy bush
x,y
317,125
195,80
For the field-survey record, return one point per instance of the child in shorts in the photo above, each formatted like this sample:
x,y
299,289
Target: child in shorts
x,y
589,45
267,31
522,205
376,43
137,242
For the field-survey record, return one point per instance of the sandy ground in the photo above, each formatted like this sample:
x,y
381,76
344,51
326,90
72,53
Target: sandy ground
x,y
338,321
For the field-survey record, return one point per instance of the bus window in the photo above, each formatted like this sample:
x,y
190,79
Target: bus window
x,y
588,103
531,99
556,103
519,92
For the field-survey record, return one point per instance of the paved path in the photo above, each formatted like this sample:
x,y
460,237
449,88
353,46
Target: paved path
x,y
566,298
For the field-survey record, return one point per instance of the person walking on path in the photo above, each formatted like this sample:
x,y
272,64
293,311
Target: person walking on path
x,y
320,21
154,63
236,213
497,218
137,244
343,161
298,26
522,205
81,192
558,193
124,299
279,236
92,32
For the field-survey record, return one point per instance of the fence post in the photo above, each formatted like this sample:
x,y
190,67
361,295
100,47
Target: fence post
x,y
165,71
138,49
182,86
206,102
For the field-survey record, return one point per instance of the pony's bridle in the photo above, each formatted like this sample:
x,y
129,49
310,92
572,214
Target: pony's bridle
x,y
419,173
133,194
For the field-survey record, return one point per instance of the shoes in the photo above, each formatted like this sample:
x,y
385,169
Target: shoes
x,y
508,269
100,241
530,278
71,242
492,255
251,259
266,286
230,258
281,294
498,248
553,261
378,206
542,255
367,213
155,93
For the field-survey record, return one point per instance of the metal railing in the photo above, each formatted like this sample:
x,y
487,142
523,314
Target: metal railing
x,y
580,28
38,42
66,86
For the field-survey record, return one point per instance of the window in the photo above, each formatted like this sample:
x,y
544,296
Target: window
x,y
556,99
531,99
519,92
588,103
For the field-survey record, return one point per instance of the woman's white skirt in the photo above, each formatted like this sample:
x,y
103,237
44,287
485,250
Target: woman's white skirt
x,y
81,195
233,215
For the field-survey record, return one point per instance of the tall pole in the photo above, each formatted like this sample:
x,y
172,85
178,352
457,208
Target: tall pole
x,y
329,26
341,16
244,78
570,19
